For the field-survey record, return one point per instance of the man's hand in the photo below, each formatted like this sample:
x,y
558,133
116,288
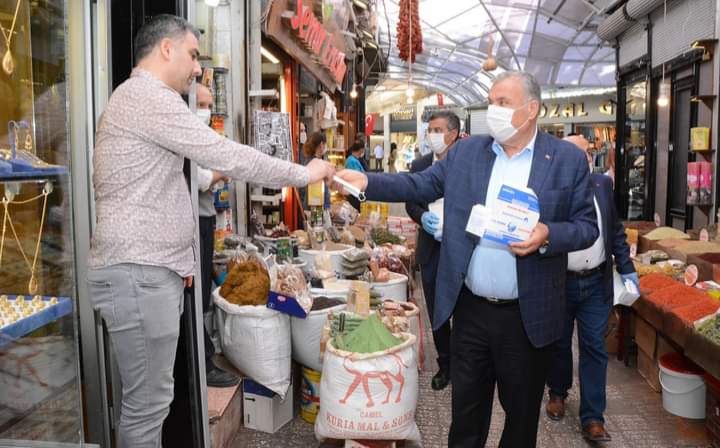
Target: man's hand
x,y
320,170
217,177
537,238
356,178
430,222
633,277
188,281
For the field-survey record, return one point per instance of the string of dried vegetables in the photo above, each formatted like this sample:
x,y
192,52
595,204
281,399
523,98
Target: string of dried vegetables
x,y
676,296
409,33
652,282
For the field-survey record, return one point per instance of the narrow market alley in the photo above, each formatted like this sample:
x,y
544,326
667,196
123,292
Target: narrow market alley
x,y
635,416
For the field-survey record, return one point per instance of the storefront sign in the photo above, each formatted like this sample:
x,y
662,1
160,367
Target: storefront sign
x,y
568,110
584,109
294,26
404,114
308,28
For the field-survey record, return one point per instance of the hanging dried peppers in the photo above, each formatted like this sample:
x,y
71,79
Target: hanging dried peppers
x,y
409,33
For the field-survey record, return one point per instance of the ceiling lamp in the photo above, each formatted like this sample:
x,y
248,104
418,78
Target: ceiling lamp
x,y
409,100
270,57
360,4
354,92
664,97
410,92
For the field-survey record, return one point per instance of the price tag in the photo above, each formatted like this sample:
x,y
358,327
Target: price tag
x,y
633,250
691,275
657,220
704,235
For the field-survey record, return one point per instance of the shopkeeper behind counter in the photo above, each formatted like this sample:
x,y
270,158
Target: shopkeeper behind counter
x,y
316,148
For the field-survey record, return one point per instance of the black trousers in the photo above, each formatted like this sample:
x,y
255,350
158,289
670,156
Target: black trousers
x,y
441,336
207,243
489,347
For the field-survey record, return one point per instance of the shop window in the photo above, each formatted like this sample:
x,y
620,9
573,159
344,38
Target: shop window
x,y
635,148
39,386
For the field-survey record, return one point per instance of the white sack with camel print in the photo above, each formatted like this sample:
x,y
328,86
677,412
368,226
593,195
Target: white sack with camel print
x,y
369,396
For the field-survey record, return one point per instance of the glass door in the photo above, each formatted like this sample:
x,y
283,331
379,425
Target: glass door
x,y
40,394
634,151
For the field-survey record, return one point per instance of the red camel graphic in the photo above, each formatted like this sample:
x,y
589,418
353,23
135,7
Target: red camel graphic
x,y
384,376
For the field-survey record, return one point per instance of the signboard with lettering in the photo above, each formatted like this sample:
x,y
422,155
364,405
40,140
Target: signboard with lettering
x,y
294,26
577,110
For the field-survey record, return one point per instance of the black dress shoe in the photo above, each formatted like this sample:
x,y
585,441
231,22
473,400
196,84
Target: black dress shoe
x,y
440,380
219,378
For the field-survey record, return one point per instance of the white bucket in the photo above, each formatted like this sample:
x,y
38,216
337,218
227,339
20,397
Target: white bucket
x,y
395,288
336,256
683,394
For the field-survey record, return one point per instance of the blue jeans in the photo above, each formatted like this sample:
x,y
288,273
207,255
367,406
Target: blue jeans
x,y
588,305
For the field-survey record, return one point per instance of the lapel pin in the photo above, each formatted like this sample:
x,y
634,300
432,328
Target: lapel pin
x,y
547,156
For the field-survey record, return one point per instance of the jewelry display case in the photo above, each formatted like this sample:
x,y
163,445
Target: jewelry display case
x,y
40,394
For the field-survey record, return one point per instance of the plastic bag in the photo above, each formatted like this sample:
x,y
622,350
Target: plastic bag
x,y
291,281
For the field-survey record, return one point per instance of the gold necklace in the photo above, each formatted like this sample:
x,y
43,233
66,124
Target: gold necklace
x,y
7,219
8,63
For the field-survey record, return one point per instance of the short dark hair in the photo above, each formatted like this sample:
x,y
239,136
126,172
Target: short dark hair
x,y
453,121
393,145
355,147
157,29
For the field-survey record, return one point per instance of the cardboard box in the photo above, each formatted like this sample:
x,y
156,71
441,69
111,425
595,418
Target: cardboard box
x,y
645,338
648,369
705,268
263,409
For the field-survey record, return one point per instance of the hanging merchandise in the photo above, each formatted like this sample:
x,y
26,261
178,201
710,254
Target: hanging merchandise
x,y
8,63
272,134
409,34
220,92
327,112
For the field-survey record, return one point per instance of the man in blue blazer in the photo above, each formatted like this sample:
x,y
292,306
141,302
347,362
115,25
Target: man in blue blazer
x,y
507,302
443,132
589,294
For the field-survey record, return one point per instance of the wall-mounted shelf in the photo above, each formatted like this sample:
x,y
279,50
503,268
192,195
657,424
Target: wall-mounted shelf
x,y
705,99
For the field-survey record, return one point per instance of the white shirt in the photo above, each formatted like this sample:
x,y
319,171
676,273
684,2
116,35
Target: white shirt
x,y
594,255
379,152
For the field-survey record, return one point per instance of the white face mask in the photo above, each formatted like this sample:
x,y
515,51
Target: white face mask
x,y
204,115
499,121
303,138
436,142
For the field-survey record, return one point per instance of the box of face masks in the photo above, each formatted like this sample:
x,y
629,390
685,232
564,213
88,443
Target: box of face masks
x,y
512,219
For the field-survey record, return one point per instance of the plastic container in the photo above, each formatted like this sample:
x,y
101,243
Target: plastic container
x,y
309,394
395,288
335,256
683,387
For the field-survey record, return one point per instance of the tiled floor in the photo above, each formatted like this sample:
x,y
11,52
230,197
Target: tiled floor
x,y
635,418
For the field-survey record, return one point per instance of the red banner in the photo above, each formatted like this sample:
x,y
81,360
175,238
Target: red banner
x,y
370,120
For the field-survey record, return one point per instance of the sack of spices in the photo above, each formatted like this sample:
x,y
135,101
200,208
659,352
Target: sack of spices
x,y
369,396
256,340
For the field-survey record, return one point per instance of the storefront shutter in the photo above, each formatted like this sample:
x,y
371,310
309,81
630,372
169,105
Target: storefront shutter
x,y
686,21
477,122
633,44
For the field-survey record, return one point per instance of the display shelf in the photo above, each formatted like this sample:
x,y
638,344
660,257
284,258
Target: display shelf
x,y
37,319
33,176
274,199
706,99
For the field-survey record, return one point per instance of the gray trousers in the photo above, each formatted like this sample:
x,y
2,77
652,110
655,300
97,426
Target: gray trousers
x,y
141,306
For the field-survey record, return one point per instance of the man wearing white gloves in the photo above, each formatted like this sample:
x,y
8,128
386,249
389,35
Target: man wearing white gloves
x,y
443,131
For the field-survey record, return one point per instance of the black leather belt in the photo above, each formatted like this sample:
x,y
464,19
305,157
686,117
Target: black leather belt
x,y
588,272
499,302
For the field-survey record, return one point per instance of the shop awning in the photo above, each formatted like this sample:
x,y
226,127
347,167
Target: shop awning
x,y
556,40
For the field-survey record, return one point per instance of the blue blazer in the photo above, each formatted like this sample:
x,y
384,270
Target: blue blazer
x,y
613,232
427,248
559,176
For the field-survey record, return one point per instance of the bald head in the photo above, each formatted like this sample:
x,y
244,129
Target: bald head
x,y
582,143
204,97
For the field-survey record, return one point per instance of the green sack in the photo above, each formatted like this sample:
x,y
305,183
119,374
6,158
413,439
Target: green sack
x,y
370,337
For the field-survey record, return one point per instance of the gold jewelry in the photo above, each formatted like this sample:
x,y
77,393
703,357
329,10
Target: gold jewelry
x,y
8,63
7,219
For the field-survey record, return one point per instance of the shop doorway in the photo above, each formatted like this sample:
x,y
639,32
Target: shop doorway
x,y
682,120
187,425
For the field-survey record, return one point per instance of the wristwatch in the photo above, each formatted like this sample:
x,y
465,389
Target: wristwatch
x,y
544,247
